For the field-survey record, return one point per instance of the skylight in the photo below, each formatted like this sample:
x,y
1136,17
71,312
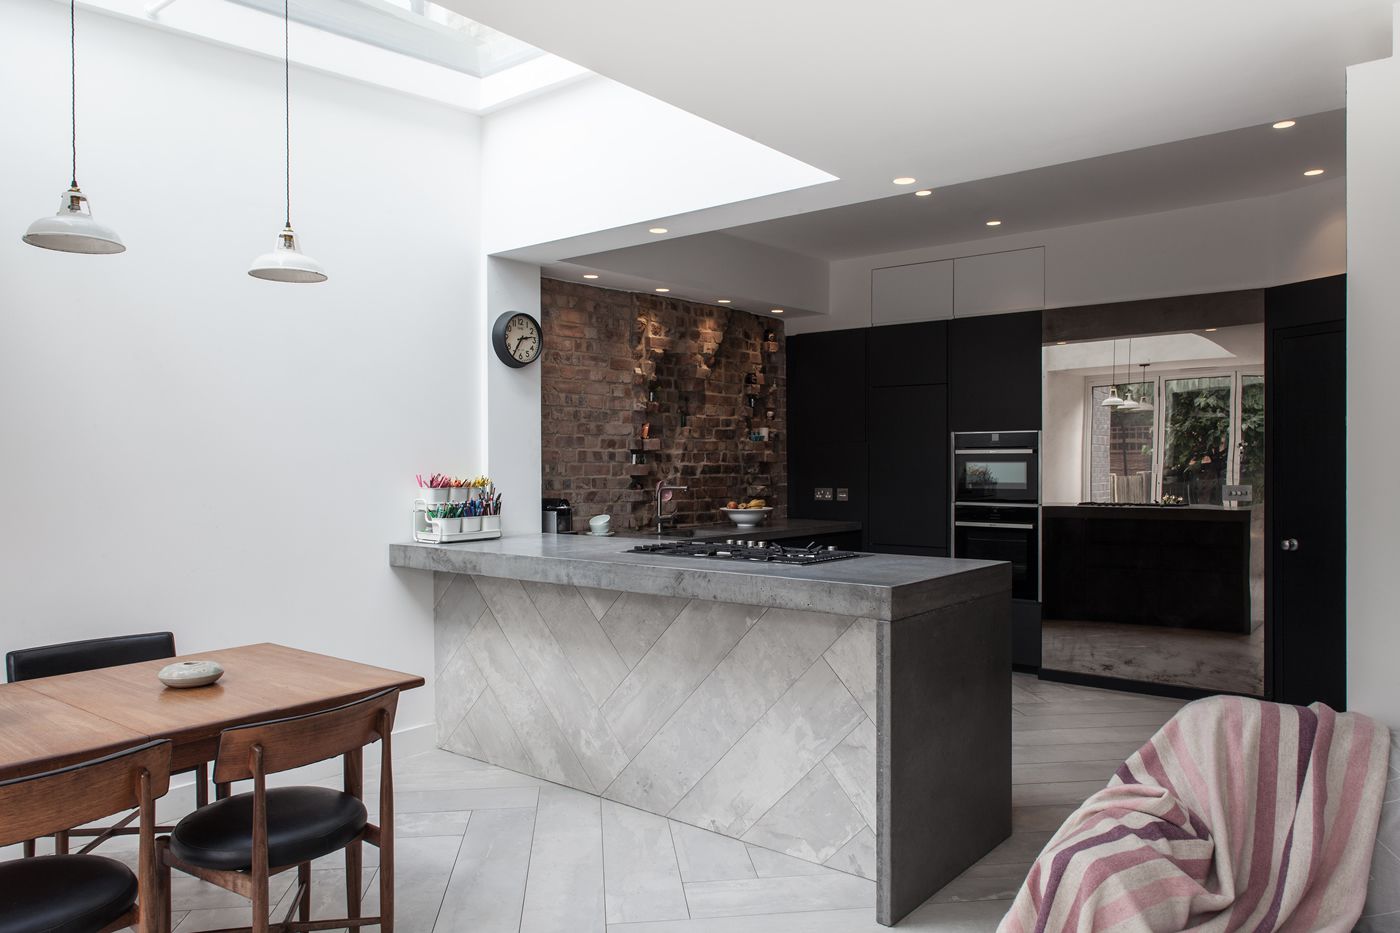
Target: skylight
x,y
419,29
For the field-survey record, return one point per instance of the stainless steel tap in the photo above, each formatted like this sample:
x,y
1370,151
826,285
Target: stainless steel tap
x,y
661,488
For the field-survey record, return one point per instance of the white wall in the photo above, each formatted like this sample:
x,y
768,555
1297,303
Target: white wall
x,y
513,438
1216,247
1373,338
598,155
186,447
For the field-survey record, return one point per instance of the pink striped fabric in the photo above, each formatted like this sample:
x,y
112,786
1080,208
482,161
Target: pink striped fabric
x,y
1237,815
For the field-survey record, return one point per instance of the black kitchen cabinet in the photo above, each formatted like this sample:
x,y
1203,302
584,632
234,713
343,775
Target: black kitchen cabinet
x,y
909,354
1305,517
826,386
909,493
994,372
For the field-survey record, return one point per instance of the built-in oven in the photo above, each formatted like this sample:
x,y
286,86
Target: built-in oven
x,y
996,466
1009,532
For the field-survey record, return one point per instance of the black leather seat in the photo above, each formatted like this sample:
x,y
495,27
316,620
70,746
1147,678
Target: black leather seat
x,y
303,823
94,653
64,893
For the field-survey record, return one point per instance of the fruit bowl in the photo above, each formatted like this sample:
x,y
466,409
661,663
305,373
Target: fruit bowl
x,y
747,518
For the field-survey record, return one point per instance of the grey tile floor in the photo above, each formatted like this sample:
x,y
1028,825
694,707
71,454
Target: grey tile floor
x,y
483,849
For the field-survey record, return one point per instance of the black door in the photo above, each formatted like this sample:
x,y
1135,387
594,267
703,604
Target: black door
x,y
1305,490
908,430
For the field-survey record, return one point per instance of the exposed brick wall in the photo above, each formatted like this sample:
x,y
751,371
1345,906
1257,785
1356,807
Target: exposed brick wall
x,y
607,353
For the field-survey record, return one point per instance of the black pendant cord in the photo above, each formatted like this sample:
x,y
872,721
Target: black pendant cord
x,y
73,79
287,97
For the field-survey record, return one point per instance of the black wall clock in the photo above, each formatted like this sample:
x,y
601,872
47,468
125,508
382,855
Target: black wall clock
x,y
517,338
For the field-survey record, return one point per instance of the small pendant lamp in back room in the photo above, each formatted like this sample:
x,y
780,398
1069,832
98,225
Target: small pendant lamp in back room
x,y
73,229
286,262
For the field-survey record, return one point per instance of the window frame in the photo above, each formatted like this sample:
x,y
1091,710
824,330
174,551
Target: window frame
x,y
1158,381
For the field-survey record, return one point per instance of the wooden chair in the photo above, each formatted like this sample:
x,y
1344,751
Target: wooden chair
x,y
89,655
239,842
83,892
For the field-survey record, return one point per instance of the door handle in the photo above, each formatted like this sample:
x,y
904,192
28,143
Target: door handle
x,y
1290,544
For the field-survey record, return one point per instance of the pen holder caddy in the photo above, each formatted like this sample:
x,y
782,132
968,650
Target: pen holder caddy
x,y
431,528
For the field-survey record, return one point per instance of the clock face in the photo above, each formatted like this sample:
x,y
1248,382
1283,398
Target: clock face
x,y
517,339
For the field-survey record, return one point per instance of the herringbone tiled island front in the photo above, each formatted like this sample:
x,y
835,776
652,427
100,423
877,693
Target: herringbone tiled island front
x,y
878,747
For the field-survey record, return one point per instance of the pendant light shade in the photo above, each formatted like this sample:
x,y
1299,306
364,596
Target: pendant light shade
x,y
287,263
1145,403
73,229
1113,401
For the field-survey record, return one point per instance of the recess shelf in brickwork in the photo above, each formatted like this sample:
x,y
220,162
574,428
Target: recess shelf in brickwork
x,y
615,361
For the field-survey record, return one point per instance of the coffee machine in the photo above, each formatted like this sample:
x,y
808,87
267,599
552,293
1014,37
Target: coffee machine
x,y
557,517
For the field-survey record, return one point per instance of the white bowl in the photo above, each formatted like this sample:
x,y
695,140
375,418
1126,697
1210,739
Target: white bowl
x,y
190,673
600,524
747,518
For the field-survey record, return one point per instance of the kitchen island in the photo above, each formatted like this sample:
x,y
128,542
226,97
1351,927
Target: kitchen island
x,y
1184,566
854,713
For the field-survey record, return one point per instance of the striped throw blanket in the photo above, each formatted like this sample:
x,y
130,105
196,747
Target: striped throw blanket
x,y
1236,815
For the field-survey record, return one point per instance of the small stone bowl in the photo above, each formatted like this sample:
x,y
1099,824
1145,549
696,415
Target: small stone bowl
x,y
190,673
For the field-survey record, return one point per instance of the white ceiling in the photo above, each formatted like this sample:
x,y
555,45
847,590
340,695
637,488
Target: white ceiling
x,y
1245,163
951,91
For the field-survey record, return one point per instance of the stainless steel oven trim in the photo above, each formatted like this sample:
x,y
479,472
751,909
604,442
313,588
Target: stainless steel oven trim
x,y
984,504
1015,526
995,450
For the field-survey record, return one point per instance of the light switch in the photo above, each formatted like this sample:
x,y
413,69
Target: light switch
x,y
843,495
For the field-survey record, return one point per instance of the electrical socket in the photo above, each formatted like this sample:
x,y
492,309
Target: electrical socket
x,y
823,493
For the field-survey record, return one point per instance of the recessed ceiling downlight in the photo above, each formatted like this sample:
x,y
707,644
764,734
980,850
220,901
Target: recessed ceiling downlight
x,y
777,310
905,180
590,275
657,230
1285,124
994,223
723,301
663,290
923,192
1314,171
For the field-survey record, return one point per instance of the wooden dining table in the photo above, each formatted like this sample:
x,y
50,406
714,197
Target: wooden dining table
x,y
51,722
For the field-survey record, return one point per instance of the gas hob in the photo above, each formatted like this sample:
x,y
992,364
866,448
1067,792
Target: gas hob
x,y
739,549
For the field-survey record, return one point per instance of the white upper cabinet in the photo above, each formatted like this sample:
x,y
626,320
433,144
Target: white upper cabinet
x,y
919,292
996,283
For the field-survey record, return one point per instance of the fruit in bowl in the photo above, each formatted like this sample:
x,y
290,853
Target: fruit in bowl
x,y
746,514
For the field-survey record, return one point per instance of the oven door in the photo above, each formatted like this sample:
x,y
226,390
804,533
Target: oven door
x,y
995,475
1017,543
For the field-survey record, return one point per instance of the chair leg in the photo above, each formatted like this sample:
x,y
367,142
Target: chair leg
x,y
163,906
60,843
201,787
29,850
304,879
354,879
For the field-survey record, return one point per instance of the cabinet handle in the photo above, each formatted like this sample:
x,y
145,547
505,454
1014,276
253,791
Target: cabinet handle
x,y
1290,544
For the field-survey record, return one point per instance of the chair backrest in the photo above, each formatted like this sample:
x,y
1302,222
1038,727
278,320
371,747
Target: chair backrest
x,y
302,740
51,660
42,804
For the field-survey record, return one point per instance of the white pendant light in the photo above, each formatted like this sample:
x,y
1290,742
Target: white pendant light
x,y
286,262
73,229
1145,403
1128,403
1113,401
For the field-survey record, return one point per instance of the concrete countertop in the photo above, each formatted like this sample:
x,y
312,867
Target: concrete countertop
x,y
876,586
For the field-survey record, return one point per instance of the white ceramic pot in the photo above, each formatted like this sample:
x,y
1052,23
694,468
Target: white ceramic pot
x,y
434,495
190,673
490,523
471,523
448,526
458,493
